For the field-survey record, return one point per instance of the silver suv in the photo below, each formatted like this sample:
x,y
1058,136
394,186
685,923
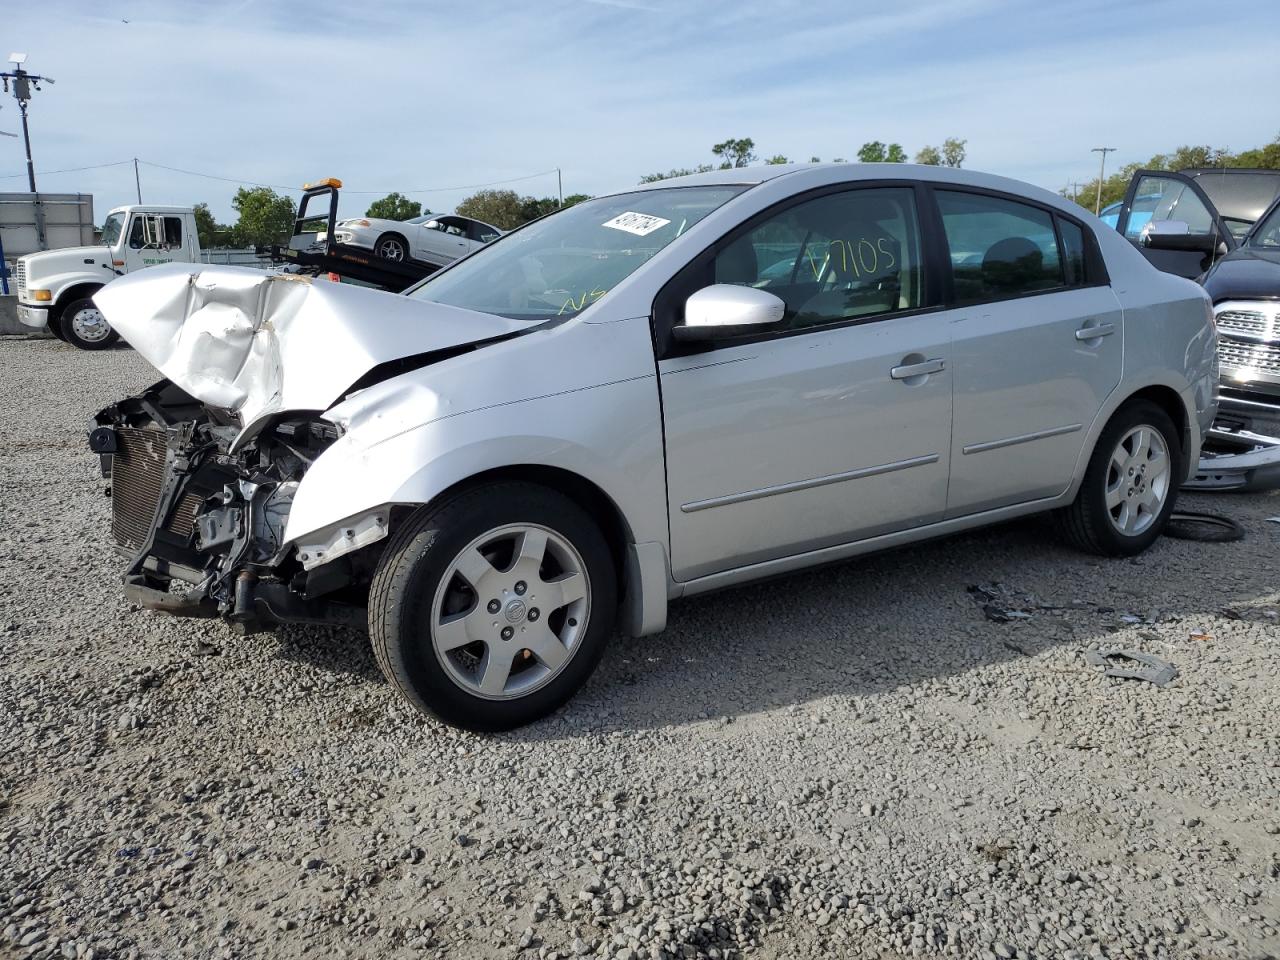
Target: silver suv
x,y
647,396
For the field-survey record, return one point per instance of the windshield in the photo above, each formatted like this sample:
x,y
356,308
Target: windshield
x,y
560,265
111,229
422,219
1267,233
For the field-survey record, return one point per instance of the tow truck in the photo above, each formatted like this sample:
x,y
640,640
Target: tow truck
x,y
317,252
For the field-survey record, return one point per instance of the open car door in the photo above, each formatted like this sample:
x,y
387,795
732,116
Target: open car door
x,y
1170,220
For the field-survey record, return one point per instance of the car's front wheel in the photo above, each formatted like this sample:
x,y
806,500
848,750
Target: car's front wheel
x,y
1130,486
83,325
492,608
392,248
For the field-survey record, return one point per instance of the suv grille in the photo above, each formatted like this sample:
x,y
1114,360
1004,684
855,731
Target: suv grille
x,y
1252,323
20,277
1264,358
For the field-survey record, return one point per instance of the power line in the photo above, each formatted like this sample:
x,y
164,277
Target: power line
x,y
281,186
46,173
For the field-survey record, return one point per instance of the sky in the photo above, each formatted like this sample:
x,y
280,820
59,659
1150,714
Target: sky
x,y
441,97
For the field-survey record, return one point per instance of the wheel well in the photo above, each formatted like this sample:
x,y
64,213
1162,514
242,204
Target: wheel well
x,y
598,504
77,292
1167,399
391,233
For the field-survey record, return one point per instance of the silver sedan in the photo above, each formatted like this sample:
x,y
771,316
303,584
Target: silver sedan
x,y
647,396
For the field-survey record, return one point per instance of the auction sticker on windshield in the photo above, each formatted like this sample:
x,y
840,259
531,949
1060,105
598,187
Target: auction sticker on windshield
x,y
641,224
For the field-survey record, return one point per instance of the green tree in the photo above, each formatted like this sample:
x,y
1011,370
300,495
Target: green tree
x,y
815,159
953,152
878,152
1266,157
776,159
930,156
677,172
207,228
502,208
265,217
395,206
573,198
735,153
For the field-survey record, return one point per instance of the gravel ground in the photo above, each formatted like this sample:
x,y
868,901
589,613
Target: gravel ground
x,y
849,763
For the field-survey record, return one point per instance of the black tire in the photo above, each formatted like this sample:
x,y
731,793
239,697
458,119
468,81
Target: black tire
x,y
1087,524
409,574
68,327
391,246
55,324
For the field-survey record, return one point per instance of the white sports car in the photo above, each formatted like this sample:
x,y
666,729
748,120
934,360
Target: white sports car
x,y
431,238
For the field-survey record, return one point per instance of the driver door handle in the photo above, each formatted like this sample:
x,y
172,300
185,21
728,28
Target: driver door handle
x,y
1093,333
936,365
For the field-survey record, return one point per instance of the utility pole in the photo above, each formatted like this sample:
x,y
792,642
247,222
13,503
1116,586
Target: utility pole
x,y
137,182
22,84
1097,205
560,187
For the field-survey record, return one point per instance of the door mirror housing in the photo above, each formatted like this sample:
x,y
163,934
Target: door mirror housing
x,y
723,311
1177,235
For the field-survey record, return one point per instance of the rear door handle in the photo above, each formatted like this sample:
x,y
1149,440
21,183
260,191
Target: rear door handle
x,y
937,365
1093,333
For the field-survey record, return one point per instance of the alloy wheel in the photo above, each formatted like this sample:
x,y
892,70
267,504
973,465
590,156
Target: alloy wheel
x,y
391,249
1138,480
510,611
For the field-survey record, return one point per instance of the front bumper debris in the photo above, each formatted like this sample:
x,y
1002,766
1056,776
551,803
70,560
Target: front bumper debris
x,y
1242,450
203,526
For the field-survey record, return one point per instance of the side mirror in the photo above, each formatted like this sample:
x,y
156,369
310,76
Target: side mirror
x,y
725,310
1177,235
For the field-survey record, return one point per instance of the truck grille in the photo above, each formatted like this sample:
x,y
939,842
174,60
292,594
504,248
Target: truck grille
x,y
20,277
1251,323
1261,357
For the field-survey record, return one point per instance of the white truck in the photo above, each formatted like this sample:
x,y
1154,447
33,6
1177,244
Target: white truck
x,y
56,287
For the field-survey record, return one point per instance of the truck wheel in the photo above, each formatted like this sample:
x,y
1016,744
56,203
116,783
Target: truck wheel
x,y
54,323
1130,486
391,247
491,609
84,326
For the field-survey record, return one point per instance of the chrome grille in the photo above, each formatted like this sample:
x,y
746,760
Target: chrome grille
x,y
137,474
1262,357
1253,323
20,277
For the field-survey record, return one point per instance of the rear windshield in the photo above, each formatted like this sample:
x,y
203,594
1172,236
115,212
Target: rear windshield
x,y
560,265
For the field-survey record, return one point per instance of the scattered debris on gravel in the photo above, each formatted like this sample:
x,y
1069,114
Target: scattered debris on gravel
x,y
856,762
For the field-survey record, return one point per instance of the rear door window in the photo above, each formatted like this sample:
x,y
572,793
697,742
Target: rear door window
x,y
999,248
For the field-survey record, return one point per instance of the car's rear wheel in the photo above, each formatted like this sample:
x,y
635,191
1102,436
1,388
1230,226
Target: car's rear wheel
x,y
391,247
491,609
83,325
1130,486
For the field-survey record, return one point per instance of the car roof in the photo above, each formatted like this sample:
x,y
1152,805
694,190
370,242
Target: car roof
x,y
823,173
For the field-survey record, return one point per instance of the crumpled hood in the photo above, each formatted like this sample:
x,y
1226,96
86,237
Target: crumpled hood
x,y
257,343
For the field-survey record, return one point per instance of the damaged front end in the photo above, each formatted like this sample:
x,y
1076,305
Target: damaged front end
x,y
203,520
